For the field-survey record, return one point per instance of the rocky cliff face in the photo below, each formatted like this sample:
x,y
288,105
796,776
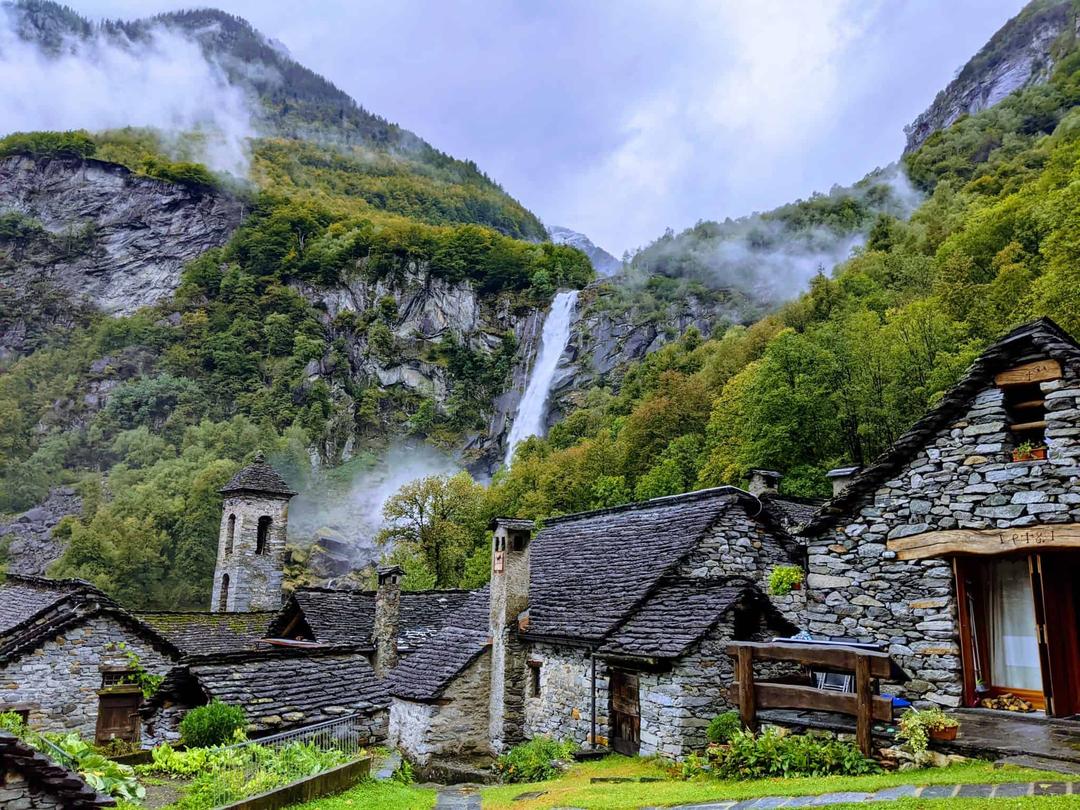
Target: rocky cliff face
x,y
603,262
27,540
1021,54
101,234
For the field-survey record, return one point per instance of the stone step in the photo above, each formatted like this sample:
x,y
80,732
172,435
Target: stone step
x,y
1042,763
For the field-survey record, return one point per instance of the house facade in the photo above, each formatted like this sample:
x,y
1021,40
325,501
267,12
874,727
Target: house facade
x,y
958,550
608,626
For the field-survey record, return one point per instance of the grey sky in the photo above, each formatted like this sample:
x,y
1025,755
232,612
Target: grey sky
x,y
622,117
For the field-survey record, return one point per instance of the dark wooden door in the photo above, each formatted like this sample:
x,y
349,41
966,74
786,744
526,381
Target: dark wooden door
x,y
1054,581
625,713
118,714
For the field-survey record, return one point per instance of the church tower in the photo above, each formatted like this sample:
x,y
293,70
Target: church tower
x,y
251,543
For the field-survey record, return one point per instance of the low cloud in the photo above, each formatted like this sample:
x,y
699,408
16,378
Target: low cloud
x,y
108,81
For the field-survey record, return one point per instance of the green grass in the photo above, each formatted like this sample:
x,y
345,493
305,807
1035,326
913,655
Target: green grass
x,y
371,795
574,788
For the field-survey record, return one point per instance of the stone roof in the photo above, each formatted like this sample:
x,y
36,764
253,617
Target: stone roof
x,y
1039,338
54,780
348,617
792,512
200,632
35,609
589,570
258,477
279,688
681,612
464,637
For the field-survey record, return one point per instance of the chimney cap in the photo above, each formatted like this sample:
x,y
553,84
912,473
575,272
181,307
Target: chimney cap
x,y
514,524
766,473
384,572
843,472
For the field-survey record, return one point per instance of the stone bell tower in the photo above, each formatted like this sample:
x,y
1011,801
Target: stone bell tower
x,y
251,543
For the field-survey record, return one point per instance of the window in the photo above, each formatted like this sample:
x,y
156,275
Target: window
x,y
223,595
262,534
230,533
1026,410
517,543
116,677
746,623
534,678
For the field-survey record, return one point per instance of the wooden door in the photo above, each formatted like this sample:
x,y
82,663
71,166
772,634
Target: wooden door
x,y
625,713
1055,585
118,714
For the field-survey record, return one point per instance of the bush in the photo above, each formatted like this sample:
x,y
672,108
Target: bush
x,y
533,761
723,726
774,752
784,579
74,144
216,723
916,725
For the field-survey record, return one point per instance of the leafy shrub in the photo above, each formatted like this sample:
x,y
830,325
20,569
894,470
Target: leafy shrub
x,y
101,773
774,752
723,726
533,761
916,725
13,723
216,723
784,579
188,174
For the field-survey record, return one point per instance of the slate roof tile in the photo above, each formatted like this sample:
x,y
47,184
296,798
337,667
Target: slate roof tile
x,y
258,477
424,674
1039,338
195,633
55,780
587,571
681,612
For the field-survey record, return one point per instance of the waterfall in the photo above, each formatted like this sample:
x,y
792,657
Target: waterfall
x,y
532,410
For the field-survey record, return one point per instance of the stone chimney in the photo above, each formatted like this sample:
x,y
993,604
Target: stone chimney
x,y
841,477
763,482
387,619
509,600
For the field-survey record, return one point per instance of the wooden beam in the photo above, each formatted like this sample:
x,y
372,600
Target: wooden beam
x,y
744,674
1033,372
790,696
864,702
1022,426
841,659
986,541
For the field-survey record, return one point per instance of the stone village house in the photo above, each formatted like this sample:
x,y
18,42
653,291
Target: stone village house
x,y
608,625
958,550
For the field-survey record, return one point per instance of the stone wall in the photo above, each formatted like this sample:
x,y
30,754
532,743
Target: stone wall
x,y
739,546
254,580
17,793
456,727
962,478
562,709
58,681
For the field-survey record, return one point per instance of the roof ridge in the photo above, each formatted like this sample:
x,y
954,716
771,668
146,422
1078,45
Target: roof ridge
x,y
665,500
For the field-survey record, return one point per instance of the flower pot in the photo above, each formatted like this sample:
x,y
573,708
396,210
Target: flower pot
x,y
796,586
943,733
1035,454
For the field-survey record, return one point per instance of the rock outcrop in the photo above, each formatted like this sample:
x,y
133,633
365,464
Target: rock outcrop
x,y
603,262
1020,54
28,540
101,233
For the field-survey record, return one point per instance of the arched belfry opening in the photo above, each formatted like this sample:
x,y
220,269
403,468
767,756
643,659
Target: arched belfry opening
x,y
223,594
262,534
230,536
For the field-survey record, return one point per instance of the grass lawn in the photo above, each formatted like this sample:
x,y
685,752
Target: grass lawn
x,y
574,788
372,795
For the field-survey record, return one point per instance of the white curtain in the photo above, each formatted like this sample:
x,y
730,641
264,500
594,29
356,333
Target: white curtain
x,y
1014,648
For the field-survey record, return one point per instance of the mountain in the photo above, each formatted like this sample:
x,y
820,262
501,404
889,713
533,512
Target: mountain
x,y
1021,54
603,262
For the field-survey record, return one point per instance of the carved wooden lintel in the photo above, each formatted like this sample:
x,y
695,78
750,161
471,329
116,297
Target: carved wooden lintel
x,y
986,541
1033,372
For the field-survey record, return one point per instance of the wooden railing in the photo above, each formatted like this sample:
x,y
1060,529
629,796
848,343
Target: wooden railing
x,y
863,704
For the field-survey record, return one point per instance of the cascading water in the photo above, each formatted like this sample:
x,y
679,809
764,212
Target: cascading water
x,y
532,410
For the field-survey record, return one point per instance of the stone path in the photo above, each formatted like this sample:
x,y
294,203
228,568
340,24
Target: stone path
x,y
1003,791
458,797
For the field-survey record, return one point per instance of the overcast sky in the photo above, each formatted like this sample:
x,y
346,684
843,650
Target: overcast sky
x,y
620,118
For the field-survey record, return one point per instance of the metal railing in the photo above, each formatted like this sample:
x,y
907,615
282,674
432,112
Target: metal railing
x,y
249,768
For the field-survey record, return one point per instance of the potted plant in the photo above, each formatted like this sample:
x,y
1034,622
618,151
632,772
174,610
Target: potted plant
x,y
980,686
1026,451
919,726
784,579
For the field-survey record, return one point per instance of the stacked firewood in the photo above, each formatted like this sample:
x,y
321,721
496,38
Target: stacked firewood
x,y
1007,702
